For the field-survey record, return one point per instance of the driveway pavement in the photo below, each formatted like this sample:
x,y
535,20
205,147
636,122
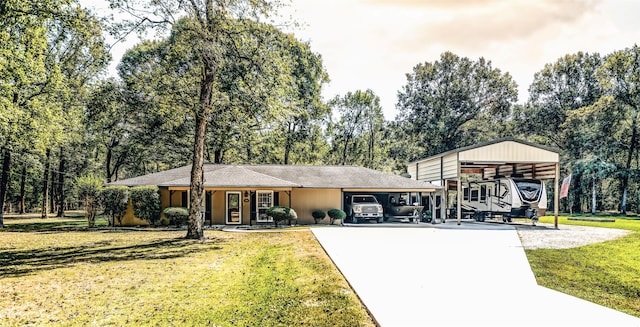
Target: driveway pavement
x,y
450,275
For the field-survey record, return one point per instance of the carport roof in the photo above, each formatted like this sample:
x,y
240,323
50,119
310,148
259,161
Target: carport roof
x,y
497,157
283,176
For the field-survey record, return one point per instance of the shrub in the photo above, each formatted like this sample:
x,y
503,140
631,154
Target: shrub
x,y
318,215
164,221
336,214
115,200
146,203
88,188
280,213
177,215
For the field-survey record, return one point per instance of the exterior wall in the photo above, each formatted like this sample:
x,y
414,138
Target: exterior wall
x,y
130,220
450,166
218,208
304,201
429,170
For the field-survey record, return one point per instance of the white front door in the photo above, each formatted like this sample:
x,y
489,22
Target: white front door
x,y
234,208
264,201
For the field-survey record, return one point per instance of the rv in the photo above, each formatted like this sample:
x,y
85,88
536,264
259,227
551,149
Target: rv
x,y
504,197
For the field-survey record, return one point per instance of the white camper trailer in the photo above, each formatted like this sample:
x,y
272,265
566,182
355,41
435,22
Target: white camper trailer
x,y
504,197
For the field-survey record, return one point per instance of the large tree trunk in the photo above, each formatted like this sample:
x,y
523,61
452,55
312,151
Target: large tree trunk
x,y
45,185
593,197
23,192
625,177
61,173
4,181
196,211
108,164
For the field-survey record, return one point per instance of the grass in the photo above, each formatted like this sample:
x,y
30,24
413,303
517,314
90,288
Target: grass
x,y
606,273
61,273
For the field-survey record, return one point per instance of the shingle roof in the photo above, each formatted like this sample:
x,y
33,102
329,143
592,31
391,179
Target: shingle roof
x,y
347,177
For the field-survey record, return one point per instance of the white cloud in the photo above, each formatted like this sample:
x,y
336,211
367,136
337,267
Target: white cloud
x,y
374,43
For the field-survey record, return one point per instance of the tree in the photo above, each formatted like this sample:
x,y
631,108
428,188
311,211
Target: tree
x,y
620,78
115,200
356,134
47,49
445,103
567,84
88,188
217,32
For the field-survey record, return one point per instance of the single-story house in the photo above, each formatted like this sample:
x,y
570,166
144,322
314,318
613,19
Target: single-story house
x,y
240,194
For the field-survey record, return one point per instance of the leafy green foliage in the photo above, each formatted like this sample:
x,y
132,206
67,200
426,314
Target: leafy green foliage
x,y
335,214
177,215
280,213
357,133
115,200
88,188
454,102
318,215
146,202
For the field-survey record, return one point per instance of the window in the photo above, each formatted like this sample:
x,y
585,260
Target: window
x,y
483,193
474,194
465,191
264,201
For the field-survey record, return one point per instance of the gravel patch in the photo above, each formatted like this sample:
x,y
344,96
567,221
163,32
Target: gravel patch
x,y
545,236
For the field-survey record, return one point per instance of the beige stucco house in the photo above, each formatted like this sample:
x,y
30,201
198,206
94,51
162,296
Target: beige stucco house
x,y
240,194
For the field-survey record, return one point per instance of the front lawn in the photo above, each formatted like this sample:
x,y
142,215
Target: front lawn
x,y
77,277
606,273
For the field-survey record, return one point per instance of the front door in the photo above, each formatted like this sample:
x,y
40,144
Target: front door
x,y
234,208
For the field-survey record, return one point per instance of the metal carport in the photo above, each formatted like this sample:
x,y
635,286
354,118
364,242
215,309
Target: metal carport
x,y
505,156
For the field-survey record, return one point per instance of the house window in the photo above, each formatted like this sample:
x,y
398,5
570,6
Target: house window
x,y
264,201
483,193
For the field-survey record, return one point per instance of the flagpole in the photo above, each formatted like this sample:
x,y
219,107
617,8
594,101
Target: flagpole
x,y
556,195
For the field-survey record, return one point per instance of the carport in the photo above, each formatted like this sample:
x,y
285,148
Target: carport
x,y
501,157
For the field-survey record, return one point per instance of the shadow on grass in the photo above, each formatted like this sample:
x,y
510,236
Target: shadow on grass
x,y
15,263
33,224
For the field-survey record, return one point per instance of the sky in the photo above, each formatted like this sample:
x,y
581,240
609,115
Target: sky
x,y
373,44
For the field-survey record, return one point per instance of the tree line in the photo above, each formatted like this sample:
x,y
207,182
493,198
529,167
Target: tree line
x,y
225,85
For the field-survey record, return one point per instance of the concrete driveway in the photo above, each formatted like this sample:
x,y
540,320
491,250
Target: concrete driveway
x,y
450,275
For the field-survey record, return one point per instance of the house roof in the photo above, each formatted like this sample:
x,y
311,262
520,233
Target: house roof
x,y
278,176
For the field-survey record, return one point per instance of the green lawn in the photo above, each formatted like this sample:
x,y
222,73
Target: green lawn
x,y
606,273
56,272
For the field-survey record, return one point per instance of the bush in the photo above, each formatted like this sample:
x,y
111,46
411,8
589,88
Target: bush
x,y
115,200
164,221
336,214
177,215
318,215
280,213
146,203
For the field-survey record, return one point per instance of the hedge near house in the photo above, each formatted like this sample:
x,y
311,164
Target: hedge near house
x,y
115,200
336,214
177,215
146,203
318,215
280,213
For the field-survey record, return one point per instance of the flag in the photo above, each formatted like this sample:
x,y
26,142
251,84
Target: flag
x,y
564,190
